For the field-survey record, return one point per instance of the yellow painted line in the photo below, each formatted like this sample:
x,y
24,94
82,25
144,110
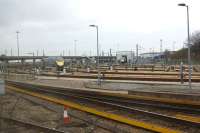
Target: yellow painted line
x,y
157,99
132,122
188,118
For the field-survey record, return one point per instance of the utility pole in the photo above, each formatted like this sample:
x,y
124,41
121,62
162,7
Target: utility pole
x,y
63,53
90,53
111,56
118,47
161,45
74,47
161,50
173,46
37,52
6,52
111,64
11,52
34,60
43,53
18,44
102,53
136,53
131,58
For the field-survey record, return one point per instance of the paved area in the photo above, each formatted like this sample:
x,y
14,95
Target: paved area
x,y
123,86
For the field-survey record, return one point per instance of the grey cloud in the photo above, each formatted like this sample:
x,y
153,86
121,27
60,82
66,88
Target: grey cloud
x,y
13,12
53,25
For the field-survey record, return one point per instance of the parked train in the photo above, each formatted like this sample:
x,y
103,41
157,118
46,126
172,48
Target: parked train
x,y
57,62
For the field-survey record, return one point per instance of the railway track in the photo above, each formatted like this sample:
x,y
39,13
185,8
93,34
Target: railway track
x,y
140,73
28,125
187,116
127,75
86,122
163,78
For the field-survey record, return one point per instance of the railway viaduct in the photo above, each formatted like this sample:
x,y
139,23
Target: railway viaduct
x,y
24,58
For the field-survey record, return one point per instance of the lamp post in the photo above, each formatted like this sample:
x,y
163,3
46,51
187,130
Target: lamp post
x,y
189,45
98,80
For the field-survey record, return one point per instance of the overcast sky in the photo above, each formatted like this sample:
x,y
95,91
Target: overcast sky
x,y
53,25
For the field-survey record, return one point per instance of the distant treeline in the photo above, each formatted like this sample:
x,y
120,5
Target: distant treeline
x,y
195,49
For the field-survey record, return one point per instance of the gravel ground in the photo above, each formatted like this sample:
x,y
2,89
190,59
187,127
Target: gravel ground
x,y
118,86
29,109
37,111
16,107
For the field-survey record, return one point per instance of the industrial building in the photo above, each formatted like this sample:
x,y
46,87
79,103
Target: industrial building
x,y
125,56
